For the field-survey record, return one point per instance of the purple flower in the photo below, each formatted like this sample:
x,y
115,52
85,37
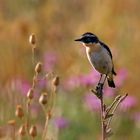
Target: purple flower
x,y
121,77
81,80
128,103
35,110
91,102
50,59
20,85
136,118
42,83
90,79
61,122
109,92
72,83
25,87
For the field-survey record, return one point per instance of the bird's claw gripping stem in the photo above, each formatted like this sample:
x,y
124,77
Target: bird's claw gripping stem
x,y
99,89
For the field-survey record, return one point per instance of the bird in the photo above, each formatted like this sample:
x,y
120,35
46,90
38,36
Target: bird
x,y
99,56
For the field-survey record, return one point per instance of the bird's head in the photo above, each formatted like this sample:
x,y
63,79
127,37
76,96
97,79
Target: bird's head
x,y
88,38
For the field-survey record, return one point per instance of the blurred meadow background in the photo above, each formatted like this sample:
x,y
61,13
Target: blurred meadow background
x,y
56,23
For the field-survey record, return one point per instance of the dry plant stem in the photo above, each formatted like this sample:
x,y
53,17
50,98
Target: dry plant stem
x,y
102,118
53,98
28,119
99,94
46,123
33,54
112,105
115,108
107,113
45,128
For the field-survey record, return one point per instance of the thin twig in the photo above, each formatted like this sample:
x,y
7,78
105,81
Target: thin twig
x,y
28,118
102,118
112,105
99,94
45,128
115,108
34,61
106,114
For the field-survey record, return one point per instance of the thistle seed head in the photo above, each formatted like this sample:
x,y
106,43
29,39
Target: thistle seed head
x,y
38,67
32,39
19,111
30,94
56,81
22,130
43,99
33,131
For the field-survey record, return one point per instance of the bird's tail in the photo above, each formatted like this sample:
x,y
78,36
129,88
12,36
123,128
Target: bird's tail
x,y
110,81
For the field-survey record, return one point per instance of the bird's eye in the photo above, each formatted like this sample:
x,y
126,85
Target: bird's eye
x,y
87,40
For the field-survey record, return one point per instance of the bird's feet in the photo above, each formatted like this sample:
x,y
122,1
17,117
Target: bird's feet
x,y
99,86
99,89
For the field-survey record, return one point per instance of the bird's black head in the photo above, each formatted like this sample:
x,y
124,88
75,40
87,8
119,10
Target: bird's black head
x,y
88,38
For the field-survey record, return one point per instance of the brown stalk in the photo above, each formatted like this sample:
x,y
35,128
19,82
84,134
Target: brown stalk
x,y
99,93
32,41
103,118
45,128
115,108
107,113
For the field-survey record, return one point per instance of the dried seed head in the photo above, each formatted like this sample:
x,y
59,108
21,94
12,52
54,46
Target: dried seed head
x,y
12,122
19,111
22,130
38,67
32,39
43,99
30,94
33,131
55,81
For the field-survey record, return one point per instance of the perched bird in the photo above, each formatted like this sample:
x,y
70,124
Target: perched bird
x,y
99,56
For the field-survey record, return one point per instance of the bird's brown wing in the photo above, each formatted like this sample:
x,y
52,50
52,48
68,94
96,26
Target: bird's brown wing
x,y
107,48
110,54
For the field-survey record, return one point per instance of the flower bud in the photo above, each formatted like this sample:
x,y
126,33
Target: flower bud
x,y
38,67
55,81
33,131
32,39
12,122
22,130
19,111
30,94
43,99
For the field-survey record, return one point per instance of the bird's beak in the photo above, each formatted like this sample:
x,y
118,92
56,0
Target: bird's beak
x,y
80,39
